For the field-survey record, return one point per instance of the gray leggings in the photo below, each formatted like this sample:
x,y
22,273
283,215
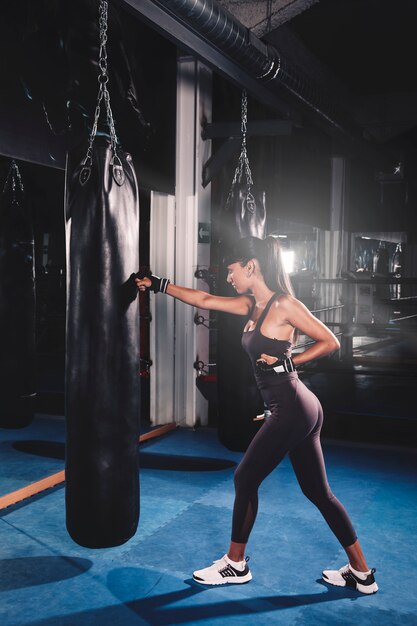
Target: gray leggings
x,y
293,427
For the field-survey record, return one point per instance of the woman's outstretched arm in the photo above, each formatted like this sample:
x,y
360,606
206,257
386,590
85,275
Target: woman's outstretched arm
x,y
239,305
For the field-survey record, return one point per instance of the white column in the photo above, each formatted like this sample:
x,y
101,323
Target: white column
x,y
176,343
333,243
162,262
338,202
192,208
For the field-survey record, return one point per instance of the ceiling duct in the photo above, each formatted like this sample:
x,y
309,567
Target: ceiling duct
x,y
261,60
208,23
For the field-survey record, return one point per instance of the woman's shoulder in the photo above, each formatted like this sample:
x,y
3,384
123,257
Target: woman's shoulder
x,y
290,306
287,304
284,300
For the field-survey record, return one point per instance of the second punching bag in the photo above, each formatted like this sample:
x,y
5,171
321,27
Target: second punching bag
x,y
102,343
17,305
239,400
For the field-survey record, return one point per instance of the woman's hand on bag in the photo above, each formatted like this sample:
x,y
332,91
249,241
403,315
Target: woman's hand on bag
x,y
143,283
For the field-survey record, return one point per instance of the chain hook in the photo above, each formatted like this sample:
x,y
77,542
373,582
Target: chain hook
x,y
243,167
103,94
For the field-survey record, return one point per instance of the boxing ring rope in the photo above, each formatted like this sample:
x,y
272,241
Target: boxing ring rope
x,y
56,479
400,319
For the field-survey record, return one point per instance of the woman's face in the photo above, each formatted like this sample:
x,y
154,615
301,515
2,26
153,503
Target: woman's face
x,y
237,276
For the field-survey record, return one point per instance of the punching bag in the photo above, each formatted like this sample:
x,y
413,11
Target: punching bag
x,y
239,400
102,352
17,305
102,343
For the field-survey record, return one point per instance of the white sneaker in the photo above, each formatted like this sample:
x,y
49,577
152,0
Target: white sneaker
x,y
224,571
344,577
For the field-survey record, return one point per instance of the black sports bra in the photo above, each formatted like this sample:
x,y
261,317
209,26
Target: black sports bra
x,y
255,343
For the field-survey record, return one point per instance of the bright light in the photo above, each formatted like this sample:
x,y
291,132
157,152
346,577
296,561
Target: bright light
x,y
288,259
363,237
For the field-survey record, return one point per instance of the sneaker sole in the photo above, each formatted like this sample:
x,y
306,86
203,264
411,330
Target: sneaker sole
x,y
367,589
238,580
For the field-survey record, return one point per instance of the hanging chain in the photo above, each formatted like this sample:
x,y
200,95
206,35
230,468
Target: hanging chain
x,y
103,92
14,174
65,128
243,163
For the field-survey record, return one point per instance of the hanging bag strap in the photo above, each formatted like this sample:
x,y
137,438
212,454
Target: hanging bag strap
x,y
103,94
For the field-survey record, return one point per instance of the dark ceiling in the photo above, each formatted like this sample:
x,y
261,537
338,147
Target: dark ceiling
x,y
370,45
364,53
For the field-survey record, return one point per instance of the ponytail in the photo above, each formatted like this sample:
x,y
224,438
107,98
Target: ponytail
x,y
275,276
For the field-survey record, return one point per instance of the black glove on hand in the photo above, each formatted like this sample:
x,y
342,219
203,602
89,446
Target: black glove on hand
x,y
157,283
278,367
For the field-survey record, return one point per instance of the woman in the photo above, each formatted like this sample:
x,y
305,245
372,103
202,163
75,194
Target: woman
x,y
293,422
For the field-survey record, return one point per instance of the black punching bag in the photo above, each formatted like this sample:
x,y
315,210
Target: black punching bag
x,y
102,349
239,400
17,305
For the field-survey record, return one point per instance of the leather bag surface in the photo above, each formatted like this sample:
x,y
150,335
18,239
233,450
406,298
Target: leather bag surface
x,y
102,349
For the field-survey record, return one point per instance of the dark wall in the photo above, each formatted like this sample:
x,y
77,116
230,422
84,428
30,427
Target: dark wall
x,y
382,202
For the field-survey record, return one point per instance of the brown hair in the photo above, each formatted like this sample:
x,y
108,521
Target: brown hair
x,y
268,252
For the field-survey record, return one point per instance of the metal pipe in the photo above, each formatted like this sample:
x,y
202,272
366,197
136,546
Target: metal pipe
x,y
211,33
214,35
262,61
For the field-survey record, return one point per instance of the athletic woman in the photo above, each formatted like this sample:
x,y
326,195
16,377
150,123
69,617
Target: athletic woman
x,y
293,423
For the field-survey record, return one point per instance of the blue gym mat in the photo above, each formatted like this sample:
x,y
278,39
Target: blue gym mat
x,y
186,504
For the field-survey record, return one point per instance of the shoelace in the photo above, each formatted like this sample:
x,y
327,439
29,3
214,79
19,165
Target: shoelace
x,y
226,563
222,561
226,567
347,574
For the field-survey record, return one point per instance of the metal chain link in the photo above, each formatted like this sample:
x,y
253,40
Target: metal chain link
x,y
65,129
243,162
14,173
103,92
